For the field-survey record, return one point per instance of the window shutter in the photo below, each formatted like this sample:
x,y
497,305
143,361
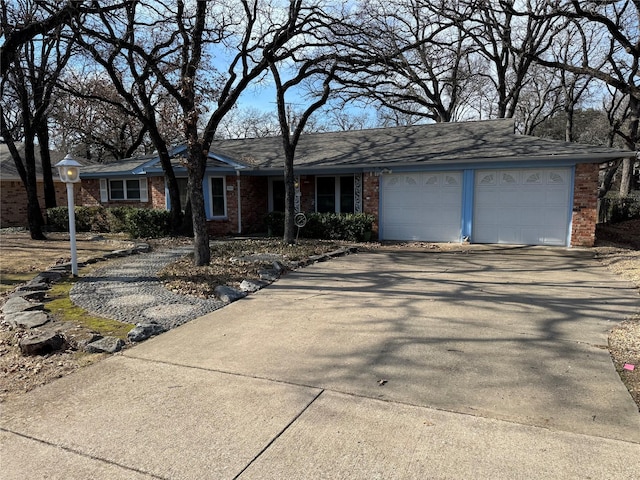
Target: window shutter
x,y
144,195
104,190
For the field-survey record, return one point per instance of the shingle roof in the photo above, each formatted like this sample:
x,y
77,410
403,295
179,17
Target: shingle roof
x,y
430,144
490,141
149,164
8,170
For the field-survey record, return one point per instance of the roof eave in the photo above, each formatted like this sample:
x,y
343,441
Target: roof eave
x,y
563,160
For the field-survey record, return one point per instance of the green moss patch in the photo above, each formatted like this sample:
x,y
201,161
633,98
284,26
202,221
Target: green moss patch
x,y
63,309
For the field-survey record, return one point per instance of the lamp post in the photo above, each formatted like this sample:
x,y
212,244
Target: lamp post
x,y
69,173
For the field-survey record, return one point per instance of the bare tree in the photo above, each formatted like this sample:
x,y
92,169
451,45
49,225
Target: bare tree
x,y
291,127
249,123
411,58
20,26
101,130
615,25
135,46
35,63
177,51
505,41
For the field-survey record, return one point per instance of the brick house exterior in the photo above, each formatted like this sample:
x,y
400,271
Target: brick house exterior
x,y
356,171
585,205
13,207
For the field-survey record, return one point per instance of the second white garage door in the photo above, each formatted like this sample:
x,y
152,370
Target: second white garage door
x,y
522,206
421,206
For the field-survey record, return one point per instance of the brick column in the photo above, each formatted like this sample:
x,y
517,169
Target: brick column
x,y
585,205
370,199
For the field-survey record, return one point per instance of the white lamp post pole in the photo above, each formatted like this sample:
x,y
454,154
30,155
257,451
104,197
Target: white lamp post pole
x,y
72,229
69,172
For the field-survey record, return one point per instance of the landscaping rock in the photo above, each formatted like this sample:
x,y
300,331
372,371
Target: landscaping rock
x,y
251,286
36,296
47,277
32,319
19,304
41,343
78,338
228,294
142,248
142,331
105,345
269,275
279,267
33,287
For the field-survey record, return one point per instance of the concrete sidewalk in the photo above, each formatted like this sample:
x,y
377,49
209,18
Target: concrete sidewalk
x,y
491,364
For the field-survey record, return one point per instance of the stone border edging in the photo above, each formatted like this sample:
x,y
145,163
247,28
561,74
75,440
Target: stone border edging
x,y
25,307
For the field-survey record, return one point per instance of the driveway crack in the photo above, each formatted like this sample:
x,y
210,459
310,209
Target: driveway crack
x,y
279,434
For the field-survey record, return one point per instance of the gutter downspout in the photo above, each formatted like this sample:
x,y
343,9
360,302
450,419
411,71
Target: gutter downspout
x,y
239,201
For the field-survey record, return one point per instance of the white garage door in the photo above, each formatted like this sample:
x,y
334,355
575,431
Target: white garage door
x,y
522,206
421,206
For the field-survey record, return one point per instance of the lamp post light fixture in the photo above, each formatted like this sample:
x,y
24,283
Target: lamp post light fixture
x,y
69,173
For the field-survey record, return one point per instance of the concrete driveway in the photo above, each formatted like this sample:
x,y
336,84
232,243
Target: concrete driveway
x,y
490,363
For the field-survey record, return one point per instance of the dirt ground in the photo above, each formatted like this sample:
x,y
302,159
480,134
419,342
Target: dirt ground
x,y
21,259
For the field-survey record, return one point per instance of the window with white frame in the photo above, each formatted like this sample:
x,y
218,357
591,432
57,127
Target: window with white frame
x,y
335,194
218,197
124,189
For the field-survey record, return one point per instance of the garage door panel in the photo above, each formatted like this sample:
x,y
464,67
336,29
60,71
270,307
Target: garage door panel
x,y
421,206
525,206
556,197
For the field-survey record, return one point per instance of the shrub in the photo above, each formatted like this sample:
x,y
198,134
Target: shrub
x,y
137,222
92,219
88,219
327,226
58,219
147,223
619,209
274,221
117,218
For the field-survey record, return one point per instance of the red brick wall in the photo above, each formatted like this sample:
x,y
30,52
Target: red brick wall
x,y
370,198
307,193
229,225
254,204
255,193
157,196
13,201
585,205
90,195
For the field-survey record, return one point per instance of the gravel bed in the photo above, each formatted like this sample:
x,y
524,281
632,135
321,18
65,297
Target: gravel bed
x,y
128,290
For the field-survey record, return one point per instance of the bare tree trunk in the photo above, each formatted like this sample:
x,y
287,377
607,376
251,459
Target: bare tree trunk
x,y
608,179
201,250
568,127
34,214
45,160
175,210
289,198
626,180
625,177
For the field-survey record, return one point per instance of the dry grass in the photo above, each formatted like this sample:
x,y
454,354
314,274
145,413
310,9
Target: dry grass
x,y
618,250
22,258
